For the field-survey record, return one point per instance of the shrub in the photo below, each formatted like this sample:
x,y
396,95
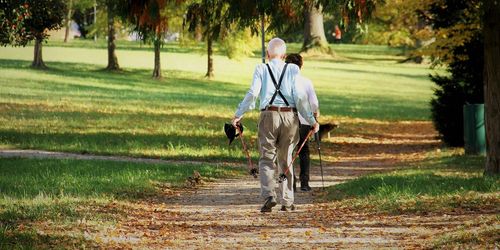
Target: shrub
x,y
463,86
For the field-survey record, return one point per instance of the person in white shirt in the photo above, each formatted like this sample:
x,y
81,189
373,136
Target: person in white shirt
x,y
281,97
305,126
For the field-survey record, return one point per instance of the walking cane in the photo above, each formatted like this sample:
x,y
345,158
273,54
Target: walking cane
x,y
253,171
316,137
283,175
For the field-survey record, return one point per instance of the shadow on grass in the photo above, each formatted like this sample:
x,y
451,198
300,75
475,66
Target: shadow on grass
x,y
140,134
182,89
127,76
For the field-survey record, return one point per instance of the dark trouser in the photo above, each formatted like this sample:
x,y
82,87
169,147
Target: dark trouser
x,y
304,155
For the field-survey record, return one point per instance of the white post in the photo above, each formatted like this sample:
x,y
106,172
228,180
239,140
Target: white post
x,y
95,19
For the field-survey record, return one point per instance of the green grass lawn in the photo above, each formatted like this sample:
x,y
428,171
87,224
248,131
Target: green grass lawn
x,y
75,106
68,191
447,181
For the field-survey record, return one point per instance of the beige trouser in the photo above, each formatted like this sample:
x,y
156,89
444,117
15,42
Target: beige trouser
x,y
278,136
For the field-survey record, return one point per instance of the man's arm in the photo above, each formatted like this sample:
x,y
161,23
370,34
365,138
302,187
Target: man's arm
x,y
251,96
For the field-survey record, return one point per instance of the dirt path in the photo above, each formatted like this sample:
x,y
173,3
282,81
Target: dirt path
x,y
226,214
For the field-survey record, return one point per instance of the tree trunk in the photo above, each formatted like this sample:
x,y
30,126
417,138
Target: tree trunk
x,y
314,31
112,59
210,62
68,20
492,85
198,33
157,69
38,60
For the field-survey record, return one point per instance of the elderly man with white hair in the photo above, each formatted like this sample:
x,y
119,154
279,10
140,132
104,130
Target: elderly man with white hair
x,y
281,96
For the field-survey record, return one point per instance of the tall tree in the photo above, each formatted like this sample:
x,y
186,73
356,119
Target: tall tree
x,y
287,14
151,24
352,11
314,31
211,17
41,17
491,31
113,8
68,20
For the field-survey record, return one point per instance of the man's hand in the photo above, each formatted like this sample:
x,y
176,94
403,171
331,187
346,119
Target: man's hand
x,y
235,121
316,127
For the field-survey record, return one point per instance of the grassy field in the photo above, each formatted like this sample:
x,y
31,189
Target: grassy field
x,y
446,181
29,187
65,192
76,107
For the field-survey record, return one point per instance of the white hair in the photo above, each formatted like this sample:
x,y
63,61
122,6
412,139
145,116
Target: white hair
x,y
276,47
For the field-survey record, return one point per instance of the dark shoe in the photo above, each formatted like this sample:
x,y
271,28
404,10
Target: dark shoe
x,y
285,208
305,187
268,205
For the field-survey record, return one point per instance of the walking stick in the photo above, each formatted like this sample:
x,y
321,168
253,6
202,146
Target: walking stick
x,y
283,175
316,137
253,170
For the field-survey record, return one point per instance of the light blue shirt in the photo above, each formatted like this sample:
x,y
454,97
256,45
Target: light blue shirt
x,y
263,87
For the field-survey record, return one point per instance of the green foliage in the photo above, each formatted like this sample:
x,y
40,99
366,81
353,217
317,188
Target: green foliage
x,y
210,15
464,85
26,20
239,44
101,26
285,16
149,19
12,20
454,23
399,23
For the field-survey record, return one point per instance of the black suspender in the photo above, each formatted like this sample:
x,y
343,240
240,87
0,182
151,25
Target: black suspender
x,y
277,85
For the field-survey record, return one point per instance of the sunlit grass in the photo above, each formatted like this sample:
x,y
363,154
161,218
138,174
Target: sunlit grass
x,y
66,192
76,106
446,181
34,189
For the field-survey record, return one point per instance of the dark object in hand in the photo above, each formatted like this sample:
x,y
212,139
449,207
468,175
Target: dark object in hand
x,y
230,131
254,172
